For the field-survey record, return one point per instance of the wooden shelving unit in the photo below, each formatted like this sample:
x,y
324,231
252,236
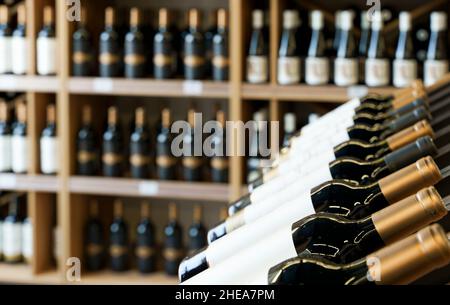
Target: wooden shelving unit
x,y
68,92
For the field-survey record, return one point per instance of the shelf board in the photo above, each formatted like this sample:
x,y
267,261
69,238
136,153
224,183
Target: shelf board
x,y
148,87
41,84
33,183
22,274
305,93
126,278
150,188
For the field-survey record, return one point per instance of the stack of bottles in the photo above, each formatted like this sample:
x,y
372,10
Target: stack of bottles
x,y
350,189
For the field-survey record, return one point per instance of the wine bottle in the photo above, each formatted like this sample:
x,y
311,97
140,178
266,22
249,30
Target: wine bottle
x,y
118,238
82,52
165,162
363,43
219,161
109,47
258,54
436,64
173,243
335,238
209,41
145,242
87,158
289,54
27,240
6,50
255,153
290,126
377,64
12,234
400,263
165,57
220,51
19,44
135,50
192,165
49,144
140,147
317,64
405,64
197,231
19,142
194,49
112,146
5,139
94,239
46,46
346,62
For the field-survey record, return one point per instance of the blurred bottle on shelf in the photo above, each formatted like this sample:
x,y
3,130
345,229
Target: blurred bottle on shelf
x,y
110,64
87,153
436,64
135,51
192,164
46,46
140,164
194,49
197,231
118,238
346,61
19,141
94,239
165,56
290,127
258,141
317,65
6,50
220,49
363,45
82,52
258,54
405,64
5,139
19,43
219,160
12,233
289,62
145,242
165,162
49,144
173,244
210,32
112,157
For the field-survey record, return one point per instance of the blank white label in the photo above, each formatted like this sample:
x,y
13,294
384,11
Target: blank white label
x,y
288,70
27,240
377,72
49,155
19,154
434,70
317,71
345,71
257,69
46,56
5,55
5,153
102,85
192,87
405,72
148,188
12,239
19,55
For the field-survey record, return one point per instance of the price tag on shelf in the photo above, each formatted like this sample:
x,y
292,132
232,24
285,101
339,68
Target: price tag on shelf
x,y
357,91
8,82
102,85
8,181
193,87
148,188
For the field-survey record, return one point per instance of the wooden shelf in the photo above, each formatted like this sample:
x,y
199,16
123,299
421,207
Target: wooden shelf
x,y
22,274
40,84
305,93
148,87
127,278
149,188
33,183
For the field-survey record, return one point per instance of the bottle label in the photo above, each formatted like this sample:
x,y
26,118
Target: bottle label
x,y
194,61
81,57
12,241
317,71
163,60
118,250
111,159
345,71
288,70
94,249
405,72
144,252
165,161
138,160
257,69
434,70
5,153
49,155
377,72
5,55
27,241
20,55
220,61
192,162
85,156
219,163
46,56
108,58
19,150
173,254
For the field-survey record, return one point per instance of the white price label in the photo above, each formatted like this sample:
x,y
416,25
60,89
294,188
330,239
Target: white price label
x,y
8,82
357,91
148,188
193,87
102,85
8,181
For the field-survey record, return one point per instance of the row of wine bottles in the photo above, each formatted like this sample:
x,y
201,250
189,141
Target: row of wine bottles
x,y
14,49
345,63
352,186
14,141
112,157
164,53
145,250
16,231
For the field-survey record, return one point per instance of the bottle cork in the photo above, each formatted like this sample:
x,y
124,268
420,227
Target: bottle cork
x,y
3,112
48,15
165,118
194,18
163,18
198,213
21,14
222,18
135,17
145,210
3,14
112,115
87,115
21,113
173,212
94,209
140,117
110,16
118,208
51,114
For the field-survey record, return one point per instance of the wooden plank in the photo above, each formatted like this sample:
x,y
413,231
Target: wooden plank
x,y
33,183
149,188
22,274
43,84
148,87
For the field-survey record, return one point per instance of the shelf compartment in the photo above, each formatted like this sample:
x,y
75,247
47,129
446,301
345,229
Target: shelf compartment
x,y
40,84
32,183
126,278
148,87
22,274
305,93
149,188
